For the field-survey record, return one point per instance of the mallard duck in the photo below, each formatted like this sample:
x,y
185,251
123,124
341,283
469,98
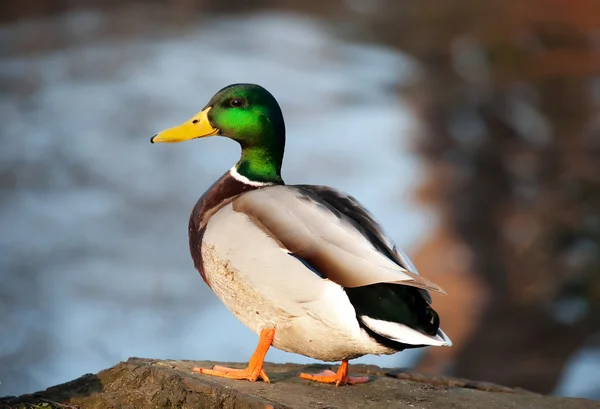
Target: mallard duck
x,y
305,267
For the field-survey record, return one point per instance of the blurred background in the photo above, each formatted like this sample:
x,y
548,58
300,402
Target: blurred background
x,y
470,128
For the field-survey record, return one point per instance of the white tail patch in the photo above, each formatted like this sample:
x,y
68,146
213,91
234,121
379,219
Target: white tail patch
x,y
404,334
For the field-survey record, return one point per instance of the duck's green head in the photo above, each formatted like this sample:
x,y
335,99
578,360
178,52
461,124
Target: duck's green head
x,y
248,114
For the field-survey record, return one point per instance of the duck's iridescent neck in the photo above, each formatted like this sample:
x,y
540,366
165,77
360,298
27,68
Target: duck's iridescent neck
x,y
262,163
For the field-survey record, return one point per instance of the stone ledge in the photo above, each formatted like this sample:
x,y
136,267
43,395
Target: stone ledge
x,y
151,383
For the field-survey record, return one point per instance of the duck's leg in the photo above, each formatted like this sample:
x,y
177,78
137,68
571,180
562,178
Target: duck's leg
x,y
339,378
255,366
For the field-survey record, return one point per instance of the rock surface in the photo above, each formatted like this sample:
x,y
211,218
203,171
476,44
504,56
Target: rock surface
x,y
149,383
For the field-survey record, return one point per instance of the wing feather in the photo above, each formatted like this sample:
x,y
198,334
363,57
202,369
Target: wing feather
x,y
368,225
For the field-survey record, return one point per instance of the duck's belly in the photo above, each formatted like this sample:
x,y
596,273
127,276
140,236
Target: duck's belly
x,y
268,288
324,329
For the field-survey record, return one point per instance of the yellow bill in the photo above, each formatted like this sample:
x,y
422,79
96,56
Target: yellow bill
x,y
197,127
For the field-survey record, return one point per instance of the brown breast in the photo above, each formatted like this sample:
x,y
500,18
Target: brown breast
x,y
222,192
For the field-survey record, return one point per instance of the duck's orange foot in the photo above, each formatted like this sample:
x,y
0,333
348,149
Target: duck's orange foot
x,y
248,374
254,370
339,378
332,377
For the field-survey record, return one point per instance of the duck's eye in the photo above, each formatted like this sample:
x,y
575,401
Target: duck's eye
x,y
236,102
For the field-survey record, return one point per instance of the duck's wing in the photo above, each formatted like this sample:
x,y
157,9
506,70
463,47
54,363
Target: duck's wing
x,y
332,233
367,224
